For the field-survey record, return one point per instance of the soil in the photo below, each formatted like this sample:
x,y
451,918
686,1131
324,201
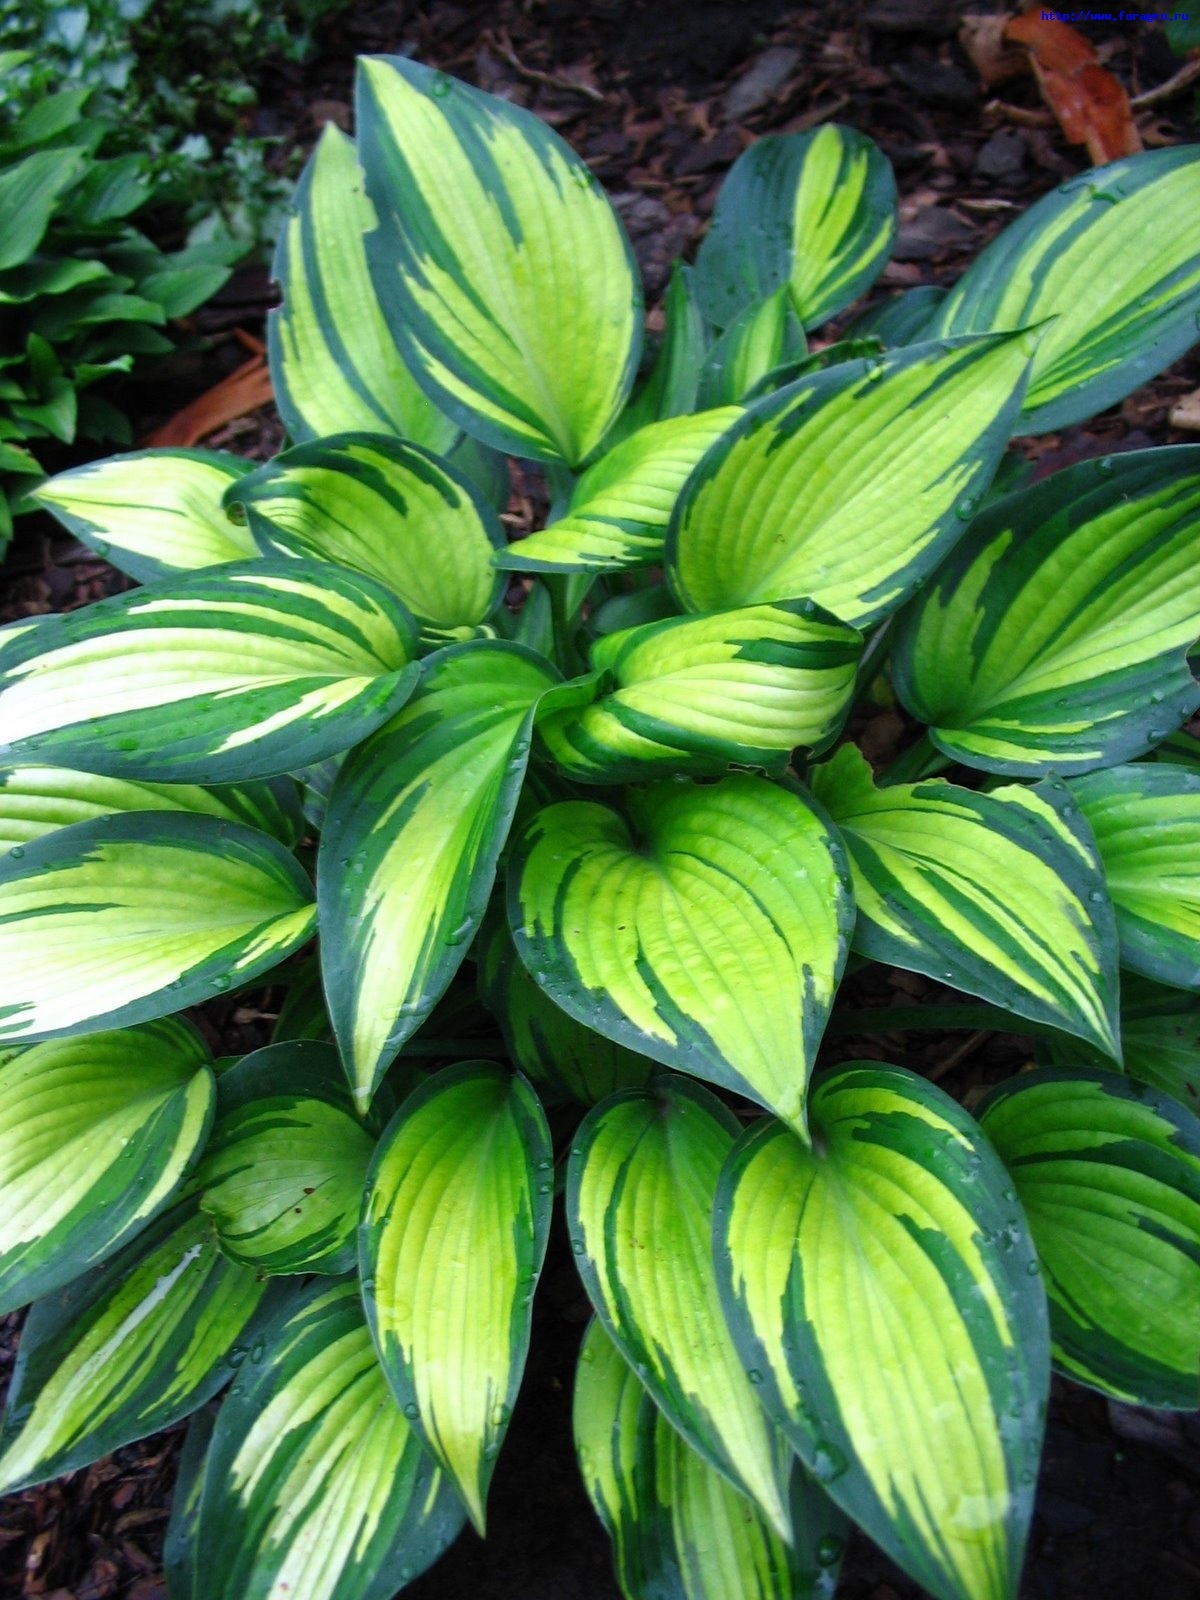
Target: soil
x,y
660,99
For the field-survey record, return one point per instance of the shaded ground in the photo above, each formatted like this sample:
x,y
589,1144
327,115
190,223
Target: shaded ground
x,y
660,99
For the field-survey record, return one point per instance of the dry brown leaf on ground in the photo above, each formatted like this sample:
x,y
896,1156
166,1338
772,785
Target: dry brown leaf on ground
x,y
245,389
1091,106
994,57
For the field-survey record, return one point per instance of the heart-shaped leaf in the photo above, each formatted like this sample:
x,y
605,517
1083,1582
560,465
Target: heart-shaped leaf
x,y
710,936
884,1285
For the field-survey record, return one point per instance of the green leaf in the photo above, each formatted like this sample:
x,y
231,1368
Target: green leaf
x,y
680,1531
29,192
904,319
128,1350
1160,1040
695,694
640,1189
455,1222
850,485
763,336
385,508
244,672
813,211
1111,262
1056,636
282,1176
36,800
884,1286
416,822
152,513
672,385
181,1558
334,363
503,271
999,894
96,1135
709,935
1146,820
555,1051
1108,1172
180,907
316,1486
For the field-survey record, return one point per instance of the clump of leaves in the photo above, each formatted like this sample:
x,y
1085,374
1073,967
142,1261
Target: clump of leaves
x,y
84,294
589,873
175,79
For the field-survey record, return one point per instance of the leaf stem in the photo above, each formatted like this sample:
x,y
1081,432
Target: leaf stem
x,y
920,760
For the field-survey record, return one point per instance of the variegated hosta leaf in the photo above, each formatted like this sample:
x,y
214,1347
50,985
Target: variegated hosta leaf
x,y
849,486
885,1286
763,336
35,800
621,505
131,917
1160,1040
95,1136
316,1487
1111,263
1056,636
904,319
243,673
503,270
709,936
695,694
814,211
129,1349
335,364
999,894
416,823
1108,1172
386,508
282,1177
455,1222
640,1189
680,1531
1146,819
553,1049
152,513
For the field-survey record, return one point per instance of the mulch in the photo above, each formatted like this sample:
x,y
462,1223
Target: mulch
x,y
660,99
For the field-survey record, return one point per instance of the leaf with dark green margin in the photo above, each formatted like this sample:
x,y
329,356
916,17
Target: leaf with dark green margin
x,y
1108,1172
813,211
386,508
885,1286
1055,638
999,894
283,1174
181,1557
1111,261
709,936
96,1135
502,270
456,1216
182,906
640,1188
416,822
1146,819
316,1486
36,800
334,362
1160,1040
621,505
131,1348
851,485
246,671
152,513
699,694
673,382
762,337
679,1530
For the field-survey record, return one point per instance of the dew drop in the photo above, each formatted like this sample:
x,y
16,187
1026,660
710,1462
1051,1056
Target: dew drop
x,y
1096,896
1106,466
966,509
440,87
577,1246
236,1356
830,1549
754,1375
412,1410
17,851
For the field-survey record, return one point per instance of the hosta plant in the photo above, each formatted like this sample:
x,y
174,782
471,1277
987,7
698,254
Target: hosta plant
x,y
588,849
